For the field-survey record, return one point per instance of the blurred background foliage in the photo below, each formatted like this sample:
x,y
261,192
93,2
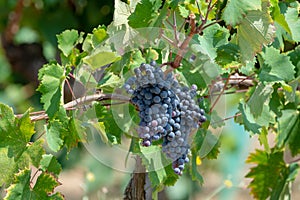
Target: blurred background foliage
x,y
28,40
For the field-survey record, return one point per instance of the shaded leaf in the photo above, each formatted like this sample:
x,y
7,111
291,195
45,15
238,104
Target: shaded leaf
x,y
110,122
145,12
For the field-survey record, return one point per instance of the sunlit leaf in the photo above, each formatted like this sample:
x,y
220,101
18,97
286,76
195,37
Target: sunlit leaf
x,y
67,41
277,67
51,77
292,18
235,10
43,188
254,31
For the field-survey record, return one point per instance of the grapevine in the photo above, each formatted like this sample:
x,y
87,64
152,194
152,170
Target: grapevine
x,y
152,85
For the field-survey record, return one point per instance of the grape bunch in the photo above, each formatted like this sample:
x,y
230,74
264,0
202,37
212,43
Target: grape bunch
x,y
167,111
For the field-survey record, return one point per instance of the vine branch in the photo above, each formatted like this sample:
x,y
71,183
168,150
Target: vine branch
x,y
75,104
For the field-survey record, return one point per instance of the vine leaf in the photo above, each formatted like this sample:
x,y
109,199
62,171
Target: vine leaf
x,y
43,188
54,135
159,168
31,156
277,67
235,10
91,41
288,130
194,169
260,97
100,58
50,164
293,21
247,119
14,133
250,123
109,83
145,12
278,17
108,119
271,175
52,78
67,40
212,38
254,31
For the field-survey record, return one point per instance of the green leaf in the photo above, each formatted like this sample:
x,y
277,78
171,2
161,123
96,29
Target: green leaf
x,y
109,83
145,11
43,188
31,156
227,54
35,151
157,166
235,10
7,166
283,187
212,38
100,58
290,89
263,139
288,130
111,120
14,133
50,164
292,18
67,41
254,31
271,175
52,78
260,97
54,135
194,170
99,35
294,56
247,119
216,121
277,67
74,135
21,188
278,17
210,146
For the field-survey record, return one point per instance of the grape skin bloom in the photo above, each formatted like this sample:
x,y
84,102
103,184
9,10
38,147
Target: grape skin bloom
x,y
167,111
